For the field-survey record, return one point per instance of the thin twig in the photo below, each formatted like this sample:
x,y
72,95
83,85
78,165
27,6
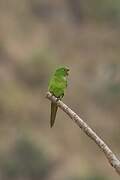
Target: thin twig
x,y
112,159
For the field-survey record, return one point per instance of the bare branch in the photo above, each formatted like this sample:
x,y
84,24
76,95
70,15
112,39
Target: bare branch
x,y
112,159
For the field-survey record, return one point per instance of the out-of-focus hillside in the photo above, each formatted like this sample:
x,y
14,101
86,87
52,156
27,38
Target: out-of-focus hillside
x,y
36,37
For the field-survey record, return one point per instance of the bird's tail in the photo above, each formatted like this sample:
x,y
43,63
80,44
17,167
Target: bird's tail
x,y
54,108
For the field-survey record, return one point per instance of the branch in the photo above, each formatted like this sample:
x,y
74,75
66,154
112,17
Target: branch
x,y
112,159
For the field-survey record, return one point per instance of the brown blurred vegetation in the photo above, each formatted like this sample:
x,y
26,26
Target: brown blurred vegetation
x,y
36,36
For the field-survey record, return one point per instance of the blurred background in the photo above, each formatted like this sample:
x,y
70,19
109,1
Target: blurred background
x,y
36,37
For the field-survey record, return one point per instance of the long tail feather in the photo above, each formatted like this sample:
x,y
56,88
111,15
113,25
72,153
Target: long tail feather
x,y
54,108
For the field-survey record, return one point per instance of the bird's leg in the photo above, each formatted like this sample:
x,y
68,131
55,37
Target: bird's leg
x,y
57,98
53,94
60,97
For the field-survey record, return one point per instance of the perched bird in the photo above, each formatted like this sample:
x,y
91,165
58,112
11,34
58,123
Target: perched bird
x,y
57,86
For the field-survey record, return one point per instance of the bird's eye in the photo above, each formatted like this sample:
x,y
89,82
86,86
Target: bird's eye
x,y
66,71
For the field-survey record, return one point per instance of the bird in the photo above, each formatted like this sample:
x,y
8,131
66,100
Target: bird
x,y
57,85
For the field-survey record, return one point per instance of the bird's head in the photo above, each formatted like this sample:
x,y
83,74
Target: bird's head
x,y
62,71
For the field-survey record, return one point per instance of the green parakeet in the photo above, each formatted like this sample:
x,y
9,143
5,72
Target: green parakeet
x,y
57,86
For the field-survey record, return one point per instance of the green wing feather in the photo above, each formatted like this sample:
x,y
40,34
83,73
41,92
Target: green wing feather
x,y
58,85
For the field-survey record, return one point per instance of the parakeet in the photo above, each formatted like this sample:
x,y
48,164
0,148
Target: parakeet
x,y
57,86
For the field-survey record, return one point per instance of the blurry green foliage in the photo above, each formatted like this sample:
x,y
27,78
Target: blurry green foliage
x,y
91,177
73,178
25,161
95,177
114,89
11,102
109,97
108,93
